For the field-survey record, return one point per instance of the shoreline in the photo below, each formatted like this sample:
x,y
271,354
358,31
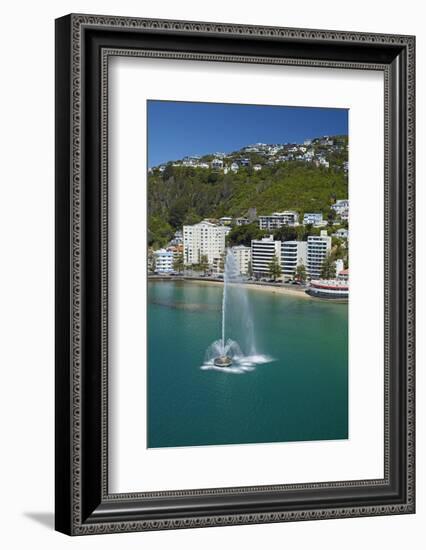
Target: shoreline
x,y
299,293
296,292
287,290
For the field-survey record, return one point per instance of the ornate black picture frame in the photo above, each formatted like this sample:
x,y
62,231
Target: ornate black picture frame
x,y
84,44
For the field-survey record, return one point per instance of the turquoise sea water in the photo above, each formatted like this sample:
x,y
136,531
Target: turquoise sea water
x,y
301,395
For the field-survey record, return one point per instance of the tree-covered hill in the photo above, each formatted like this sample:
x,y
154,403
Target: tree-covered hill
x,y
182,194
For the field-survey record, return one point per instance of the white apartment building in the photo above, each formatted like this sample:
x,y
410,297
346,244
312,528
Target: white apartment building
x,y
278,219
217,164
341,233
344,216
324,162
252,148
163,261
204,238
242,221
341,206
293,254
225,220
319,246
243,256
262,253
177,238
312,218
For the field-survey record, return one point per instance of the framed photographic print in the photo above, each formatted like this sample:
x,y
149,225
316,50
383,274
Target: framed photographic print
x,y
234,274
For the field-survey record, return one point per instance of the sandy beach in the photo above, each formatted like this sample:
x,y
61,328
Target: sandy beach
x,y
289,291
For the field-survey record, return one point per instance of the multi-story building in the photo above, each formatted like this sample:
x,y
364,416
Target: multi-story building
x,y
225,220
323,162
254,148
263,252
319,247
243,256
217,163
163,261
312,218
192,160
242,221
344,216
341,206
177,238
293,254
278,219
204,239
309,156
274,149
341,233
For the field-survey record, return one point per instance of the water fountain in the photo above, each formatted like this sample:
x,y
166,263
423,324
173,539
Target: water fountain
x,y
227,354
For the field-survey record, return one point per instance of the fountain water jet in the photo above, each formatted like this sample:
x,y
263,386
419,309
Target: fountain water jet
x,y
226,354
231,275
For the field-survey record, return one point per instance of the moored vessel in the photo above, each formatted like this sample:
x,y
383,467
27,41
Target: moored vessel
x,y
331,289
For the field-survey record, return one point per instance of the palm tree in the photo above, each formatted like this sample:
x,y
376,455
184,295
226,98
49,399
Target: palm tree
x,y
328,268
275,268
249,269
204,263
300,273
178,263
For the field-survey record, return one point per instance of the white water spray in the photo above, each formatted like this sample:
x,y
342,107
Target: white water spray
x,y
227,354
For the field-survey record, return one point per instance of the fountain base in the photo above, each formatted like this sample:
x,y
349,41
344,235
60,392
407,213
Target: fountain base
x,y
222,361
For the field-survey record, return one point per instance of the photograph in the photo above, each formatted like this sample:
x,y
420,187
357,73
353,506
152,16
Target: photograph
x,y
248,273
234,275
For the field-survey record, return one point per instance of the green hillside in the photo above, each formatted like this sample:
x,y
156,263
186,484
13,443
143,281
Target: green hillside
x,y
186,195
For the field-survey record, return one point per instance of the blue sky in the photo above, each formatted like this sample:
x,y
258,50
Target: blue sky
x,y
177,128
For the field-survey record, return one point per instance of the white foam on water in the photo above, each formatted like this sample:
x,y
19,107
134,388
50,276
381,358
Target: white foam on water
x,y
241,363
